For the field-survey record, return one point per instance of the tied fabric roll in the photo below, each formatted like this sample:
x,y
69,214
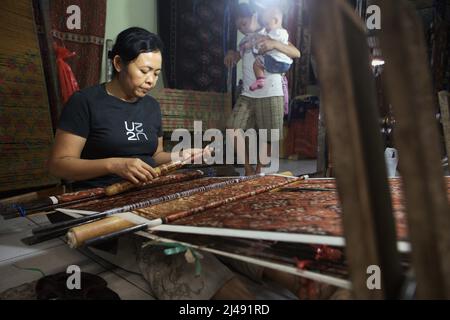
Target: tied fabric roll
x,y
79,235
160,171
125,186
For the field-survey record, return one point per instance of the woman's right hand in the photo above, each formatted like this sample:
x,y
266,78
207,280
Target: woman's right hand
x,y
132,169
231,58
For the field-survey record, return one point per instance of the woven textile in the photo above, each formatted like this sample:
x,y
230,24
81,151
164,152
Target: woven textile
x,y
302,135
87,42
25,126
180,108
311,212
140,195
296,212
298,25
196,35
201,201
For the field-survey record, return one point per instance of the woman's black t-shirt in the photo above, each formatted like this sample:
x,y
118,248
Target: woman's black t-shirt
x,y
112,128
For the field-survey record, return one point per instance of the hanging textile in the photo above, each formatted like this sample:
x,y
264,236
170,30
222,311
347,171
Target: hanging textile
x,y
302,134
87,42
68,83
196,34
41,9
25,126
440,45
301,139
298,25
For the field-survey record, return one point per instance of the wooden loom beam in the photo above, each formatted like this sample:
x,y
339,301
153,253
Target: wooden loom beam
x,y
348,98
444,105
410,91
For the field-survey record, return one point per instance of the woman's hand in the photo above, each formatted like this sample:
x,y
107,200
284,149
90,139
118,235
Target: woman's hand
x,y
265,44
231,58
195,154
132,169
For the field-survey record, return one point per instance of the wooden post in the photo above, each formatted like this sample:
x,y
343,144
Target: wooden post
x,y
54,91
444,97
322,150
410,91
348,92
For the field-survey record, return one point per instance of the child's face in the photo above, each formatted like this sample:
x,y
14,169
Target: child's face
x,y
247,25
271,22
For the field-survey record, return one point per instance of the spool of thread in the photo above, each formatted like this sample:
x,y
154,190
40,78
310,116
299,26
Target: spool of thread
x,y
78,235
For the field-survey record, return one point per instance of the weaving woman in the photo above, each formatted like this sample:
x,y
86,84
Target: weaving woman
x,y
113,131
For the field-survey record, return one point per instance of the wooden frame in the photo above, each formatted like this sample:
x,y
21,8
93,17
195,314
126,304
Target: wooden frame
x,y
348,99
444,104
408,82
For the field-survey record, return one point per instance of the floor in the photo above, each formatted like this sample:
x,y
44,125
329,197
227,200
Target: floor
x,y
21,264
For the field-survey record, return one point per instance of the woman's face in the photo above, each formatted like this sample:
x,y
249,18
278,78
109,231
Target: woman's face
x,y
141,74
247,25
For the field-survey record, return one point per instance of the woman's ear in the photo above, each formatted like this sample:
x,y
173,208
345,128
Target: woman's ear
x,y
117,63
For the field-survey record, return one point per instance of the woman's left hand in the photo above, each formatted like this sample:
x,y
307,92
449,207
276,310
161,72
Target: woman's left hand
x,y
194,154
266,44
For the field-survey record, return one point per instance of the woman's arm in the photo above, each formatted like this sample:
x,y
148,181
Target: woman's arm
x,y
161,157
232,58
265,44
65,162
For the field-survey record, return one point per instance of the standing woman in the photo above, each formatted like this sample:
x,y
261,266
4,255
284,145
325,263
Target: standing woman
x,y
113,131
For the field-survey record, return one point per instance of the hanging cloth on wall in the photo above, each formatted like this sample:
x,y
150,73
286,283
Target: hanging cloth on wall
x,y
67,82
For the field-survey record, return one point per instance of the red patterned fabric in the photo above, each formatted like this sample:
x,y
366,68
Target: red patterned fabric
x,y
296,212
213,198
87,43
311,212
140,195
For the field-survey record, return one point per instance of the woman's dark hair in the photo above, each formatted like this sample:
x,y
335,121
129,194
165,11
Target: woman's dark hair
x,y
132,42
244,10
